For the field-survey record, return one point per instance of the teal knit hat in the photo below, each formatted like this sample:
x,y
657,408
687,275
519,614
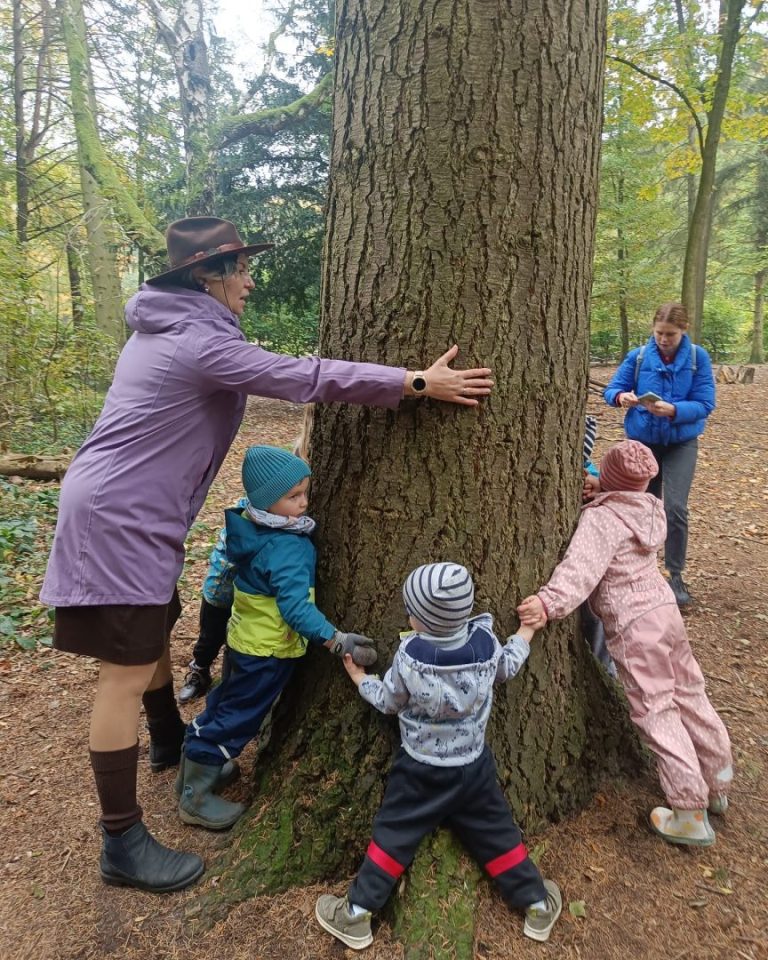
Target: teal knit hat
x,y
269,473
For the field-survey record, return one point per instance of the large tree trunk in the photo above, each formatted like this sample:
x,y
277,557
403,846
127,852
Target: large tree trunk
x,y
462,209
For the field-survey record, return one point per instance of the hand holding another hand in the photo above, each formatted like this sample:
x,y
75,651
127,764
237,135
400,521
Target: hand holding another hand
x,y
361,649
356,673
532,613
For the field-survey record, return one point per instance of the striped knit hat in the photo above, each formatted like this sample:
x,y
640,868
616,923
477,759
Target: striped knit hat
x,y
441,596
628,465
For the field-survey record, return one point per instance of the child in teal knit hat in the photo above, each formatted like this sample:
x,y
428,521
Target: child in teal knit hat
x,y
273,617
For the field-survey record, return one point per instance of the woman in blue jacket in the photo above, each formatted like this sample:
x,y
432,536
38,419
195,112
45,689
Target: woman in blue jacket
x,y
679,374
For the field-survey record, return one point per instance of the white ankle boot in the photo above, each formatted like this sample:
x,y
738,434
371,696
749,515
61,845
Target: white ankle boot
x,y
690,827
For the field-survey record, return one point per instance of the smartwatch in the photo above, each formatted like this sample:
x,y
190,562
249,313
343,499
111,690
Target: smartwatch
x,y
419,383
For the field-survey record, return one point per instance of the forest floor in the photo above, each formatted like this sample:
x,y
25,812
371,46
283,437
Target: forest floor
x,y
639,897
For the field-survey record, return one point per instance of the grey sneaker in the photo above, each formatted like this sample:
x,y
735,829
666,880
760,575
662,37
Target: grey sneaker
x,y
538,921
334,916
680,590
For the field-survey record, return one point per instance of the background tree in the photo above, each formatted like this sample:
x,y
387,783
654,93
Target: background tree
x,y
686,52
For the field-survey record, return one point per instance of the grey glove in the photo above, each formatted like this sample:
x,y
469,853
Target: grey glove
x,y
362,648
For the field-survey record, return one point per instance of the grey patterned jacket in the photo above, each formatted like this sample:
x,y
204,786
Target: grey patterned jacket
x,y
443,696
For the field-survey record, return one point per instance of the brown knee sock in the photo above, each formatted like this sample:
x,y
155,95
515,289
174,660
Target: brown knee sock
x,y
163,719
115,774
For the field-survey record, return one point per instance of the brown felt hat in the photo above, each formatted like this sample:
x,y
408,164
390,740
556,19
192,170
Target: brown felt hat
x,y
196,240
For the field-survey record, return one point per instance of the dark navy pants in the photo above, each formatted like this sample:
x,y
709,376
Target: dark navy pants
x,y
469,801
236,707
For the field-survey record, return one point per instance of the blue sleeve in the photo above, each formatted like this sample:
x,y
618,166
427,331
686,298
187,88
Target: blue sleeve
x,y
700,401
623,380
288,568
591,469
218,588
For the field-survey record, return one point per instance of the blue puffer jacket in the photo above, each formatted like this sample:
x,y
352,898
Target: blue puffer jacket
x,y
692,392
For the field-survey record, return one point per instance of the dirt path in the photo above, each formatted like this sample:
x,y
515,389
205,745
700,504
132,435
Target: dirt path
x,y
642,899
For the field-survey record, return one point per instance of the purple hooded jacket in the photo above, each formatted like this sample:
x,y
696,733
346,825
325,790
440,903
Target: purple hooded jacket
x,y
174,407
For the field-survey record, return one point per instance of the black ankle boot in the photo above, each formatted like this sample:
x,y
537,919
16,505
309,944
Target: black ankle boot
x,y
136,859
196,683
680,590
165,750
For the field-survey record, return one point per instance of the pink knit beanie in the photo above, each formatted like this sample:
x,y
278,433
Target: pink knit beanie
x,y
629,465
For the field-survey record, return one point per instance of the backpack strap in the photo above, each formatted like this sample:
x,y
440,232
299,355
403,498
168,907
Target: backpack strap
x,y
639,363
694,358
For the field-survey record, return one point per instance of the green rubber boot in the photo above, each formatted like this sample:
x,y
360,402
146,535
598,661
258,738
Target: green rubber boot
x,y
227,774
199,805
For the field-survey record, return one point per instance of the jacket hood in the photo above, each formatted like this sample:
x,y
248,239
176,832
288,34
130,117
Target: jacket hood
x,y
641,513
244,537
157,309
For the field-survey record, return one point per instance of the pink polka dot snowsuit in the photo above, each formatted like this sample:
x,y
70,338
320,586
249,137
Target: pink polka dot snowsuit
x,y
612,561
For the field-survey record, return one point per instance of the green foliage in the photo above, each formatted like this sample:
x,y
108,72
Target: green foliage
x,y
282,331
27,516
725,329
649,163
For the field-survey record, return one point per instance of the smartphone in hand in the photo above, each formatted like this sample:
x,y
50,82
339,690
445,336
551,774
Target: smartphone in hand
x,y
646,399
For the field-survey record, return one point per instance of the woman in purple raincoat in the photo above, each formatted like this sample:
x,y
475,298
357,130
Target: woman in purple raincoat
x,y
133,491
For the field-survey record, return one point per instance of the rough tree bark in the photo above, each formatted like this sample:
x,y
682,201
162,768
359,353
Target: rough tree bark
x,y
462,209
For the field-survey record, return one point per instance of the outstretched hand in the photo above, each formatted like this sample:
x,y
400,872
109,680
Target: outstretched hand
x,y
532,613
457,386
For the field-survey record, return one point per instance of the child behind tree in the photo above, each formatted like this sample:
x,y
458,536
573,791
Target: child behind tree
x,y
440,685
273,617
612,561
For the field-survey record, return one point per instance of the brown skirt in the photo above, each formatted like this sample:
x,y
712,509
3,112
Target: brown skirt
x,y
118,633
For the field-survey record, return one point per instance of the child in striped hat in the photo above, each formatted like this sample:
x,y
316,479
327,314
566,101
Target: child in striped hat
x,y
441,687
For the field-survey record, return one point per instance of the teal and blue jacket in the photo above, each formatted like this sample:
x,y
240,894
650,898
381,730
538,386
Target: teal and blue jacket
x,y
274,613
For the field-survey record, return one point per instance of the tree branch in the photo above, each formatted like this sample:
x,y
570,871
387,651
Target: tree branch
x,y
672,86
274,119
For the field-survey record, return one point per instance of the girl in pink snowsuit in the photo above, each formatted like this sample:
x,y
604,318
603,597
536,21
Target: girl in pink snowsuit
x,y
612,561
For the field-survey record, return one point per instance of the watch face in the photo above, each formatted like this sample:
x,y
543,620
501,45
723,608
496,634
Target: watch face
x,y
418,384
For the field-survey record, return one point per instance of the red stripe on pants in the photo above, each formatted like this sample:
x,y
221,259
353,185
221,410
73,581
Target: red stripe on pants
x,y
382,859
507,860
